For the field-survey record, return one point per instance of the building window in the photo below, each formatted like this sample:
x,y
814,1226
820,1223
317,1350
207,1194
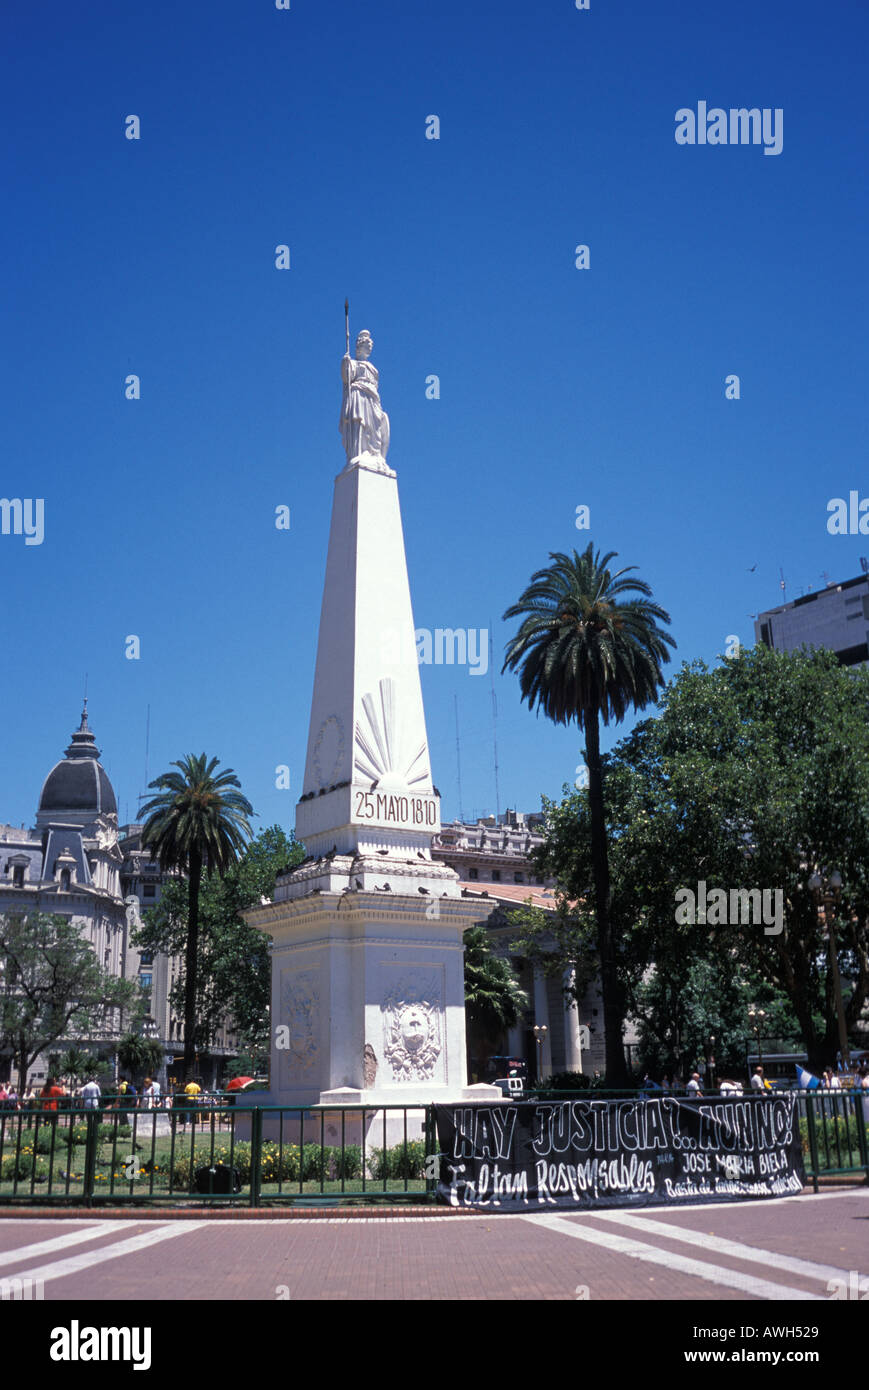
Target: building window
x,y
496,875
518,878
17,875
473,873
64,880
539,878
146,958
149,891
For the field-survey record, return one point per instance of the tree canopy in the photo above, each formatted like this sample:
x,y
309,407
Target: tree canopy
x,y
52,987
233,980
754,775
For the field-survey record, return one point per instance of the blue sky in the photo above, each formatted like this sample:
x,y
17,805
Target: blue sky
x,y
559,387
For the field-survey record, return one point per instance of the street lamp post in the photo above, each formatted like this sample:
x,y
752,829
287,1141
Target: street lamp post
x,y
540,1031
756,1017
826,892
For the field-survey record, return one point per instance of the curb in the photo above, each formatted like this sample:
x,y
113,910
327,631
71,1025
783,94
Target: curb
x,y
225,1213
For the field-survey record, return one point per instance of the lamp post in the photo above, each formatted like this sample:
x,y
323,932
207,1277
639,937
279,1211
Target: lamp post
x,y
756,1017
827,891
540,1031
710,1063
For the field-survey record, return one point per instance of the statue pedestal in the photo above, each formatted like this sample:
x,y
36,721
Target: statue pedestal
x,y
368,998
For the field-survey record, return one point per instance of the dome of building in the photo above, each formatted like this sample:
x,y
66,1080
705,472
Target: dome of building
x,y
79,783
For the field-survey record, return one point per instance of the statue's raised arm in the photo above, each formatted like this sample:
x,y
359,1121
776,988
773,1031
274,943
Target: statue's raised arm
x,y
364,423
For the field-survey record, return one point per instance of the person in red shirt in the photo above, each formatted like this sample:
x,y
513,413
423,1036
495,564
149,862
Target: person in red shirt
x,y
50,1090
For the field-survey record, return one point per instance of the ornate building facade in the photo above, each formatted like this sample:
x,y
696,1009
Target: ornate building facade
x,y
492,859
78,864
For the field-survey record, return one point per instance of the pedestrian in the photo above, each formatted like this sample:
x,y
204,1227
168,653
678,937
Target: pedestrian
x,y
91,1093
665,1084
151,1094
50,1094
757,1081
693,1087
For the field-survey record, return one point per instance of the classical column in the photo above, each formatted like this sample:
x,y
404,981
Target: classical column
x,y
572,1047
541,1017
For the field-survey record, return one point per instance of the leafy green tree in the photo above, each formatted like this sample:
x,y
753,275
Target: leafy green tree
x,y
769,757
755,775
494,1000
196,823
588,649
234,975
52,987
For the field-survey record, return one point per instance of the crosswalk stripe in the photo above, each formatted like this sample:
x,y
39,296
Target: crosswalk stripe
x,y
76,1237
750,1253
682,1264
59,1269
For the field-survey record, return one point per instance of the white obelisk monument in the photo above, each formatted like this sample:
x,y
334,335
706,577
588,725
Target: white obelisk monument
x,y
367,957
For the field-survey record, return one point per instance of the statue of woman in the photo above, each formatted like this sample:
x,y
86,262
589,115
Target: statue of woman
x,y
364,423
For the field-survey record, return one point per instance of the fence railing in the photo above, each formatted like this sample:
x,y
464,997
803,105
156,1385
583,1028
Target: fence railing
x,y
238,1154
303,1156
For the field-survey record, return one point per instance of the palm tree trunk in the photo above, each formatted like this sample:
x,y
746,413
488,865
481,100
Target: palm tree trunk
x,y
191,963
611,988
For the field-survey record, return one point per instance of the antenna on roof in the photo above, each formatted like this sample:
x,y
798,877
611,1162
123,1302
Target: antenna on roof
x,y
864,564
147,749
459,760
494,727
783,590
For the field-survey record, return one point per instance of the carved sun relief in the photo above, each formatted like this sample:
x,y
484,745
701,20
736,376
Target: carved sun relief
x,y
378,754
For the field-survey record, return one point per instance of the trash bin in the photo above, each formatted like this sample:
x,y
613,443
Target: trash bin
x,y
218,1180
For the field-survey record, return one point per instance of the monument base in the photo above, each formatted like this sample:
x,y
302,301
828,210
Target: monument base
x,y
332,1122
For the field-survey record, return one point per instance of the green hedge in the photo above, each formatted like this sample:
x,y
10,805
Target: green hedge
x,y
402,1161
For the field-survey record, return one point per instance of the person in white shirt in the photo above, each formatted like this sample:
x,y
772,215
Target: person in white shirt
x,y
91,1094
693,1087
757,1081
152,1093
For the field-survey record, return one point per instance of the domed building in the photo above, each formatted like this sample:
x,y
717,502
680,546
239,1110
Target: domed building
x,y
70,864
77,863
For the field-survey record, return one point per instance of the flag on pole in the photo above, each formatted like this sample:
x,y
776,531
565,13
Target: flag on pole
x,y
807,1082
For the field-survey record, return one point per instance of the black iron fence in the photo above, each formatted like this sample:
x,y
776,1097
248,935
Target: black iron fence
x,y
235,1154
302,1156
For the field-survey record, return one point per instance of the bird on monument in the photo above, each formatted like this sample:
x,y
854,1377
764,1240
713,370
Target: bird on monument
x,y
422,890
358,882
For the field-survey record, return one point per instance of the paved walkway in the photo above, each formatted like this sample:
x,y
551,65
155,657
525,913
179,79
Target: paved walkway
x,y
793,1249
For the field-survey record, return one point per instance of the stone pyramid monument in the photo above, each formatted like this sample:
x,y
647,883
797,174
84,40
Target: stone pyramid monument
x,y
367,957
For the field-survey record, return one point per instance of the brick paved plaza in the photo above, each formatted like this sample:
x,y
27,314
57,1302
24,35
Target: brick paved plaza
x,y
781,1250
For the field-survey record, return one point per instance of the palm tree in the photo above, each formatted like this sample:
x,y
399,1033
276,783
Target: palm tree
x,y
196,822
494,999
585,653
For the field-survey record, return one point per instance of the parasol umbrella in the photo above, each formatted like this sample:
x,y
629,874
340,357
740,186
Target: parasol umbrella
x,y
239,1083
